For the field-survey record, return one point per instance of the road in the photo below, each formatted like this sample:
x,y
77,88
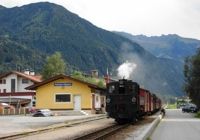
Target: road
x,y
177,126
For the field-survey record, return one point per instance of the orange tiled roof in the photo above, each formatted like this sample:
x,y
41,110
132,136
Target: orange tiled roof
x,y
34,78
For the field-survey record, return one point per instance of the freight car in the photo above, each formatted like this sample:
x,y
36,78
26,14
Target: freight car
x,y
126,101
143,102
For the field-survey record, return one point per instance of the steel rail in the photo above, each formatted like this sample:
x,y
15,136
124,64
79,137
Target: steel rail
x,y
102,133
51,128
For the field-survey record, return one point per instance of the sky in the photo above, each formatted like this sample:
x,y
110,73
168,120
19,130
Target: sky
x,y
147,17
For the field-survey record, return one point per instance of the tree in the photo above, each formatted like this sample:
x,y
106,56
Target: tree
x,y
101,84
78,75
54,65
192,77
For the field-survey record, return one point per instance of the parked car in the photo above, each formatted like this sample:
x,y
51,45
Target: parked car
x,y
181,105
193,109
43,113
32,110
190,108
185,109
6,106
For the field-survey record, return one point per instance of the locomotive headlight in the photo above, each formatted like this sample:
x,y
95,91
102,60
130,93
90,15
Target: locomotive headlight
x,y
108,100
133,99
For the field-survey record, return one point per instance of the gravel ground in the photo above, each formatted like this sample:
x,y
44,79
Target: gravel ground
x,y
132,131
69,133
15,124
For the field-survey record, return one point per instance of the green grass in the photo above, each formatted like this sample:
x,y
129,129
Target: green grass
x,y
197,115
171,106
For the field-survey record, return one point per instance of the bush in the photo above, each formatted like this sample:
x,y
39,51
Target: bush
x,y
171,106
197,114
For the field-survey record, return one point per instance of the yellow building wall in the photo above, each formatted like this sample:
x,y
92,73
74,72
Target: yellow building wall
x,y
45,95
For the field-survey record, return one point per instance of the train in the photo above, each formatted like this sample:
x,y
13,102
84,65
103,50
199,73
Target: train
x,y
127,102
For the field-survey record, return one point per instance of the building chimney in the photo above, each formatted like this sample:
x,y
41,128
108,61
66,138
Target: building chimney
x,y
26,72
32,73
94,73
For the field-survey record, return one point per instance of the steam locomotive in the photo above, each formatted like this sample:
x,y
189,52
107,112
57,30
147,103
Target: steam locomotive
x,y
127,102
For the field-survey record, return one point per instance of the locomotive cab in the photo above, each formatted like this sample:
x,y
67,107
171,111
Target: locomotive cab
x,y
122,100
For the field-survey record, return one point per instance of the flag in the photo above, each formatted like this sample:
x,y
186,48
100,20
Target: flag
x,y
107,77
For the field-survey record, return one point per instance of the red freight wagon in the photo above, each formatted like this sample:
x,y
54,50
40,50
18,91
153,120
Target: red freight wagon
x,y
154,102
158,104
150,111
147,102
146,109
143,101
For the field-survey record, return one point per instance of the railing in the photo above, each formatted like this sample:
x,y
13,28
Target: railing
x,y
28,93
14,111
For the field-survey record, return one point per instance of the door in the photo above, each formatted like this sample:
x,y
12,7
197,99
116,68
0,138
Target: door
x,y
12,85
97,101
77,102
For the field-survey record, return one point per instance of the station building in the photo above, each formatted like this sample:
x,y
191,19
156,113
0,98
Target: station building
x,y
63,92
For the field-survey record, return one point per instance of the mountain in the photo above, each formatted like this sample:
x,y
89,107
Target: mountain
x,y
169,46
15,55
30,33
170,49
47,27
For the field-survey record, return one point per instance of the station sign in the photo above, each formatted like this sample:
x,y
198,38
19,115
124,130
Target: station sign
x,y
62,84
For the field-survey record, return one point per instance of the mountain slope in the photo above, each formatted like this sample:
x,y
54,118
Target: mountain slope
x,y
159,75
170,50
166,46
16,56
38,30
48,28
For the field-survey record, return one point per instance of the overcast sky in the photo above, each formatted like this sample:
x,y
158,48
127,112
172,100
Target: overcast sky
x,y
148,17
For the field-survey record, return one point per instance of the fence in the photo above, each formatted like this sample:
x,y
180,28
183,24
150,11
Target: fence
x,y
14,111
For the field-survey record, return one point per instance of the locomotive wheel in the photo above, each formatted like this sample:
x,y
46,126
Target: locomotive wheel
x,y
124,121
138,117
121,121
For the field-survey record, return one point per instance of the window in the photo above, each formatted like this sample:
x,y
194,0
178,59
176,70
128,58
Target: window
x,y
3,81
63,97
132,88
4,90
111,89
24,81
33,103
121,89
97,98
13,85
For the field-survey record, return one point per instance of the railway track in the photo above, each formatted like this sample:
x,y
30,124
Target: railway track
x,y
83,131
102,133
51,128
